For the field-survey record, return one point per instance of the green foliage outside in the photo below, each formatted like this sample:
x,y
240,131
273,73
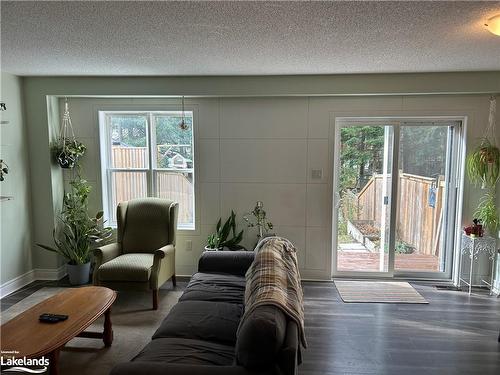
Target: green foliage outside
x,y
422,152
171,140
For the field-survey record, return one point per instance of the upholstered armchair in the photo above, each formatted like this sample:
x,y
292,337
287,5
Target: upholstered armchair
x,y
143,258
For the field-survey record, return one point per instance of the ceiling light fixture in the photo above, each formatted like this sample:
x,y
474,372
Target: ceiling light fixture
x,y
493,24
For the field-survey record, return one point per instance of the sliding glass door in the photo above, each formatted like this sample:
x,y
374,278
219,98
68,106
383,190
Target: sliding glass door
x,y
395,197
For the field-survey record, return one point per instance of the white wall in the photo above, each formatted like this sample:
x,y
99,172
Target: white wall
x,y
15,250
250,149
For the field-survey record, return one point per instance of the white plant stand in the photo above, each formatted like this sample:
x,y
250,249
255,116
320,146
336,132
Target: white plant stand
x,y
472,247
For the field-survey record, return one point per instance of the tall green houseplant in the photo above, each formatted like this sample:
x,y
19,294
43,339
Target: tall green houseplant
x,y
76,232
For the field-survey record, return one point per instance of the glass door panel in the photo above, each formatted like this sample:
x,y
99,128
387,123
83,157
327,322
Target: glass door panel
x,y
424,169
364,187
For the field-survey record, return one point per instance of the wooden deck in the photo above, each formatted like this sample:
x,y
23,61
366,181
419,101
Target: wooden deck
x,y
352,260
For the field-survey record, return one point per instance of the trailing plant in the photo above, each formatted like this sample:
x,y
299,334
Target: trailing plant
x,y
76,232
483,164
220,238
487,212
67,151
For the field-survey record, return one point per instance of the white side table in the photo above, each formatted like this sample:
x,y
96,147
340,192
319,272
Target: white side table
x,y
472,247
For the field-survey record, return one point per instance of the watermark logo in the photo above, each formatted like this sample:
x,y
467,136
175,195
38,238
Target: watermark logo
x,y
11,363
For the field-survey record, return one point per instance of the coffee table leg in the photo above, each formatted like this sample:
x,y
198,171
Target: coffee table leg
x,y
54,362
108,329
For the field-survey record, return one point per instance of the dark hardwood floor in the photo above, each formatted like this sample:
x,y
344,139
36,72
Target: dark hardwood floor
x,y
453,334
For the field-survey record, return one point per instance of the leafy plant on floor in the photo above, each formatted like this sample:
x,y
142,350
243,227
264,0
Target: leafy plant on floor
x,y
220,238
77,232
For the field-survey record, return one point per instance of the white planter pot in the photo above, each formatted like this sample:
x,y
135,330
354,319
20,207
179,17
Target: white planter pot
x,y
78,274
211,249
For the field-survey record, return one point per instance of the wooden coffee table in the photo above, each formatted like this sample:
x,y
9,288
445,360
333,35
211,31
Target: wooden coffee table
x,y
28,337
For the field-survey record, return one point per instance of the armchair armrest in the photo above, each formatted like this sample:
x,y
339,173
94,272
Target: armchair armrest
x,y
163,265
105,253
162,252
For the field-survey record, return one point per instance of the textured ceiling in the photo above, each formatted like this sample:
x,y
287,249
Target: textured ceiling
x,y
245,38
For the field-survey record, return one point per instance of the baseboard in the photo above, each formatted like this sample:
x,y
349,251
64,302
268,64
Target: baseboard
x,y
50,273
17,283
21,281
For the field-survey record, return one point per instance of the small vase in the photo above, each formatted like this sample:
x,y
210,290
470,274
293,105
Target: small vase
x,y
78,273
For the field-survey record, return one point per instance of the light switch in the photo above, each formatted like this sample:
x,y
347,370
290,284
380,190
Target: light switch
x,y
189,245
317,174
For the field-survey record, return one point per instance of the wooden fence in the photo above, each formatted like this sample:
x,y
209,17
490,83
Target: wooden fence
x,y
177,186
419,223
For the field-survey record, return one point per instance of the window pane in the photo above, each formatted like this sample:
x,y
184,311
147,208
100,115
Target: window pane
x,y
128,141
179,188
126,186
174,145
420,235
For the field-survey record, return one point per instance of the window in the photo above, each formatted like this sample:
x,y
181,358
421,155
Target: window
x,y
147,154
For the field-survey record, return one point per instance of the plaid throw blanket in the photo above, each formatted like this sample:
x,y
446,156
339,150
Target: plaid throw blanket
x,y
274,279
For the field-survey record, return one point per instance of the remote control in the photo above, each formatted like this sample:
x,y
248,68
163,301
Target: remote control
x,y
52,318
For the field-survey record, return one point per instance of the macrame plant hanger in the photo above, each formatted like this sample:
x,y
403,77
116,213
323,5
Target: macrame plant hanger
x,y
490,130
66,136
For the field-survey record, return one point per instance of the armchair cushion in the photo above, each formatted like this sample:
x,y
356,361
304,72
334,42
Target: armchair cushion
x,y
127,267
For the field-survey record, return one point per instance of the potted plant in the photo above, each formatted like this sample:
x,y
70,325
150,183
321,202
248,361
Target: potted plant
x,y
259,220
77,232
483,164
487,212
67,151
220,239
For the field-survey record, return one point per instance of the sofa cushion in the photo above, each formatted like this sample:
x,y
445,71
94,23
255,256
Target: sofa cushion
x,y
215,287
261,334
212,321
187,351
127,267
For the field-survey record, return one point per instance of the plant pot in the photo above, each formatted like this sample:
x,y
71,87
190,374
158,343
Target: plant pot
x,y
66,160
78,273
211,249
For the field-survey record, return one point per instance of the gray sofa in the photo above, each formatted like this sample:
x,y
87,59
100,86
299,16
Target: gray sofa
x,y
200,334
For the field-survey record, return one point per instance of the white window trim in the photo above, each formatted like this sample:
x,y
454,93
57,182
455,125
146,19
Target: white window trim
x,y
151,170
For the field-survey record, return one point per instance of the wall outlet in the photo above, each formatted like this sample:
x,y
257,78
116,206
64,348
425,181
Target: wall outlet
x,y
189,245
317,174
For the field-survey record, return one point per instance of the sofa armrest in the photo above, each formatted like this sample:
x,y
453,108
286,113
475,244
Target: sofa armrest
x,y
290,356
233,262
105,253
161,368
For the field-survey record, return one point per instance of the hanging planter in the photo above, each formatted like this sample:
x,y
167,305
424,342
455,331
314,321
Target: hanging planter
x,y
483,164
67,150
